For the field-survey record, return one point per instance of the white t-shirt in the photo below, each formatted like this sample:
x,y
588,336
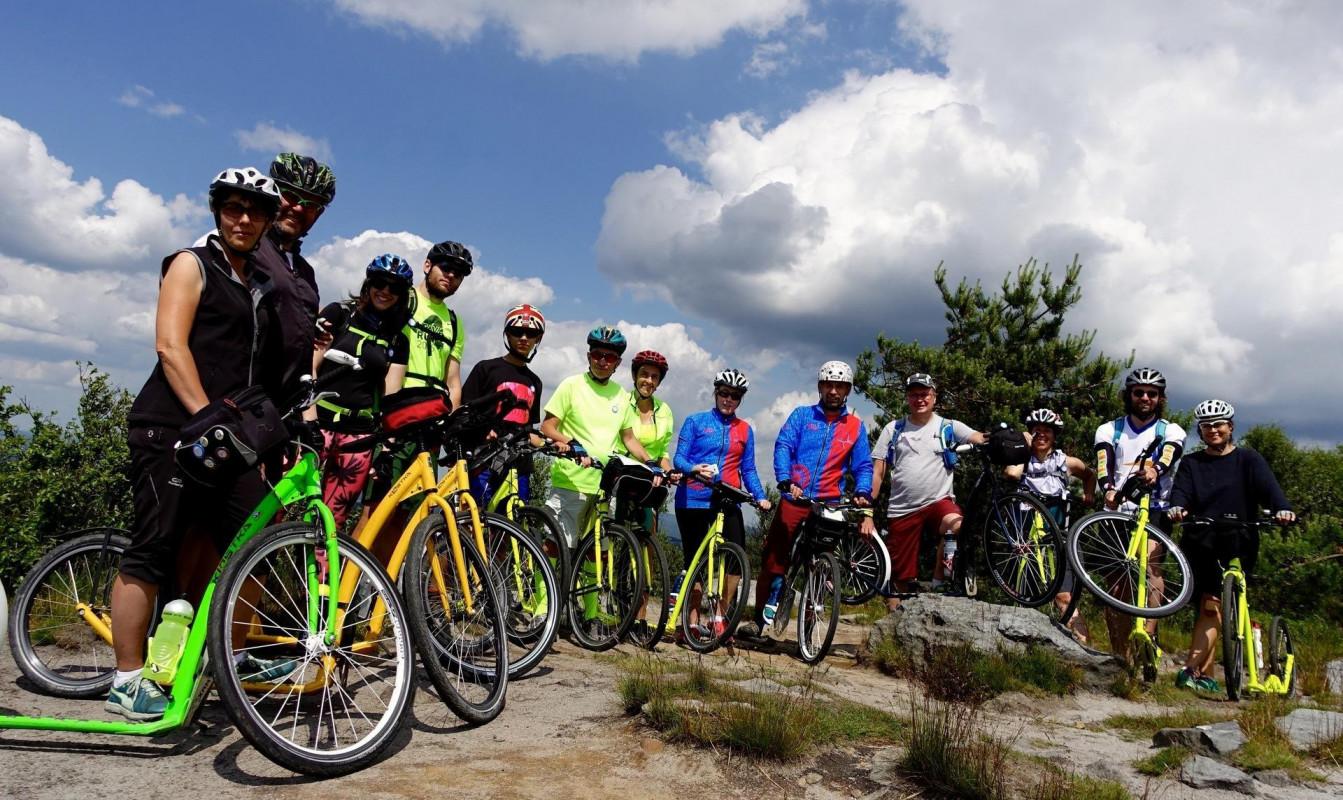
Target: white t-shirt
x,y
1048,477
1132,444
918,474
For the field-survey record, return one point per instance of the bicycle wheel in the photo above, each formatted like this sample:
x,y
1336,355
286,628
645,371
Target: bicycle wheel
x,y
601,611
520,570
51,642
721,604
540,524
864,565
818,609
650,620
342,703
1097,550
463,647
1233,644
1024,549
1279,648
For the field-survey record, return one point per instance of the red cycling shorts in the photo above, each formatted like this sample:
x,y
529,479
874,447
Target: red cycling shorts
x,y
903,535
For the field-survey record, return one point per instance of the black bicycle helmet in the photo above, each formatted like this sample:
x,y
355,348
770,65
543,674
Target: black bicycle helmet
x,y
452,254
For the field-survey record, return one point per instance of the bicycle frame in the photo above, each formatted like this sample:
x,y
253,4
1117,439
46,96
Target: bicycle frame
x,y
707,549
1272,684
301,484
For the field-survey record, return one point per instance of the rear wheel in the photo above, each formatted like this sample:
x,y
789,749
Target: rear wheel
x,y
605,588
818,608
52,641
1024,549
1233,645
1098,551
528,585
865,566
650,620
1279,648
324,708
722,597
540,524
458,619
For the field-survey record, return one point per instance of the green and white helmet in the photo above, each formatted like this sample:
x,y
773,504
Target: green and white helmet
x,y
304,174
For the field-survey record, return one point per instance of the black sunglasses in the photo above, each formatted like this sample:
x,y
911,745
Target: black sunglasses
x,y
383,283
727,395
1146,392
523,333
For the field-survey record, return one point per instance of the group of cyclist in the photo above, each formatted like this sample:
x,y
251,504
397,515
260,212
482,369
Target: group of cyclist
x,y
240,309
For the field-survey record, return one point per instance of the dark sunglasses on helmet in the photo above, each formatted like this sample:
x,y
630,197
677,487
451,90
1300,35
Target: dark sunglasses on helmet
x,y
523,333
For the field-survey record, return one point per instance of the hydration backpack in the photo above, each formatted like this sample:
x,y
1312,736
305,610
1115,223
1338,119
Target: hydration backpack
x,y
949,455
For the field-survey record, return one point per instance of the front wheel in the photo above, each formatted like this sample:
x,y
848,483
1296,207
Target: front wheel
x,y
864,565
1233,644
51,623
650,621
458,619
818,608
1098,548
319,702
722,586
1280,653
605,587
521,571
1024,549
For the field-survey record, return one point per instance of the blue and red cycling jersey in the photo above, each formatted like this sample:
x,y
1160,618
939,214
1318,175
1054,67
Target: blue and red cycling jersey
x,y
814,451
711,438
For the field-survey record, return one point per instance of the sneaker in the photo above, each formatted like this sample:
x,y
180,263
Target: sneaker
x,y
718,626
265,670
1184,679
749,632
1207,683
139,700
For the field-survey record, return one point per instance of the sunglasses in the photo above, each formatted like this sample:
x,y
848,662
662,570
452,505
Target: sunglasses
x,y
452,270
1217,423
1146,392
236,210
604,358
523,333
726,395
382,283
293,199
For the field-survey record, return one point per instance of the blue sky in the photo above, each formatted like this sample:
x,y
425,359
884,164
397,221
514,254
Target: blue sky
x,y
764,184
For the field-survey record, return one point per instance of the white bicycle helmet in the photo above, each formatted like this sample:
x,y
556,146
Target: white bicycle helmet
x,y
837,371
1044,416
733,379
249,181
1145,376
1213,411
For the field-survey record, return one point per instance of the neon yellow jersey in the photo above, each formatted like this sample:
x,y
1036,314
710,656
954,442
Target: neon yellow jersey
x,y
656,438
435,335
594,414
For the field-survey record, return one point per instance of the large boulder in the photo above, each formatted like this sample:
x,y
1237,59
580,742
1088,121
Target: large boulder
x,y
1217,739
1201,772
1307,727
929,621
1333,674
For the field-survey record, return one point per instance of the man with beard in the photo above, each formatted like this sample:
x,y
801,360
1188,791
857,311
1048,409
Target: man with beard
x,y
437,340
1120,445
814,450
306,187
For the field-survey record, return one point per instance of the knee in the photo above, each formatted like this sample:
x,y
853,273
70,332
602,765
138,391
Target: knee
x,y
1211,607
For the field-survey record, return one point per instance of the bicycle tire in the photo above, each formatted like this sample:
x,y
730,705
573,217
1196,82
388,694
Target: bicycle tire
x,y
598,624
732,557
1233,646
464,651
80,570
1279,647
819,606
1028,570
540,523
305,735
528,586
865,566
647,631
1097,545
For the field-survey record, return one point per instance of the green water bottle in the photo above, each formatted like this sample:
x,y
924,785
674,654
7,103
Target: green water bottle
x,y
168,642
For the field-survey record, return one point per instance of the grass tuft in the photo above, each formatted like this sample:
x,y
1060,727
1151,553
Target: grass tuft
x,y
1055,784
951,755
1145,726
1167,759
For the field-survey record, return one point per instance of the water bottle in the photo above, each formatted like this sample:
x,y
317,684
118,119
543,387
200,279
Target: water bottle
x,y
675,590
1258,645
772,605
168,642
948,557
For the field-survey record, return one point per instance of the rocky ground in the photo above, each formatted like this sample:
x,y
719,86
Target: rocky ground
x,y
563,734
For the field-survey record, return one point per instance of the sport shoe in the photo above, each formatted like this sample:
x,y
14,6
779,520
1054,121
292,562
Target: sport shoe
x,y
139,700
1184,679
1207,683
265,670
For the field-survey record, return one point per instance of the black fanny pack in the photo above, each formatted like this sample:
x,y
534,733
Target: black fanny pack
x,y
229,437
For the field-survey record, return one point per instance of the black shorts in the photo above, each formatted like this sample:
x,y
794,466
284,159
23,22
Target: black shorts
x,y
695,522
169,506
1209,553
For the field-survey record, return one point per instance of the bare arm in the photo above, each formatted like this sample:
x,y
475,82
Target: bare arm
x,y
978,437
1080,469
878,474
633,445
454,381
1014,471
179,297
396,375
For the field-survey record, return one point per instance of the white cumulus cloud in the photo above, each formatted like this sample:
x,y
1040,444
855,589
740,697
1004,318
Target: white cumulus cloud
x,y
269,138
144,98
619,30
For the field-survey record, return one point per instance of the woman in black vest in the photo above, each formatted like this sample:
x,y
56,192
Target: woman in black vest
x,y
208,335
368,326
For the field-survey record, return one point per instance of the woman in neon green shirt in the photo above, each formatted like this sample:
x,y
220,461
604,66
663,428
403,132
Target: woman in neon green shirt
x,y
653,423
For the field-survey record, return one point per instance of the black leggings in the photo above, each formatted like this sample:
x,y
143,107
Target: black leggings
x,y
694,524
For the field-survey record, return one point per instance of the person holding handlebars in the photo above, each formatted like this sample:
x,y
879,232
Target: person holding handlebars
x,y
1220,482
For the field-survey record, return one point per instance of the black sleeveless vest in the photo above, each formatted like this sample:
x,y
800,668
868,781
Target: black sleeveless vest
x,y
226,340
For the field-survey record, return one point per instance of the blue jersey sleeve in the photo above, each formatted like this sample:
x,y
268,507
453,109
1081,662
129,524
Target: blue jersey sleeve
x,y
860,463
785,447
685,445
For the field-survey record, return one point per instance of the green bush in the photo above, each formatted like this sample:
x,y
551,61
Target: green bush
x,y
951,755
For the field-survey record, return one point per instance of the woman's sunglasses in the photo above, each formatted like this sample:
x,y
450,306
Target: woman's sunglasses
x,y
379,284
727,395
